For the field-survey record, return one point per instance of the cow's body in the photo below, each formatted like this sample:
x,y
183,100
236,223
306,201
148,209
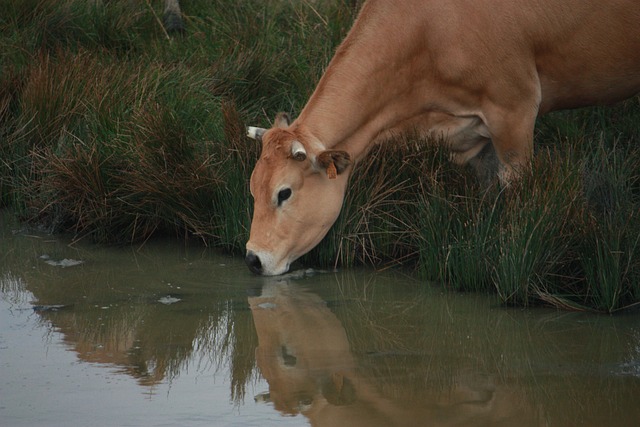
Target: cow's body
x,y
473,71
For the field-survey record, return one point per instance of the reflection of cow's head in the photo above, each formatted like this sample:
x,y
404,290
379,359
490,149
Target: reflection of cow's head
x,y
305,356
298,188
303,350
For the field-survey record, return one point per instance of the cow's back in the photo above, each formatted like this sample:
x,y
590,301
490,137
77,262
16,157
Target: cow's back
x,y
591,55
583,52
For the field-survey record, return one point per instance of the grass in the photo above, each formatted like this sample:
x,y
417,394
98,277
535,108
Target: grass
x,y
115,133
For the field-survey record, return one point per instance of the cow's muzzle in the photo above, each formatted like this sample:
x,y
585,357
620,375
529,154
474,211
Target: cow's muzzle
x,y
253,262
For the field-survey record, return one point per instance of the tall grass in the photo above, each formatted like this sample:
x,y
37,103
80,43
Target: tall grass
x,y
611,252
113,132
113,154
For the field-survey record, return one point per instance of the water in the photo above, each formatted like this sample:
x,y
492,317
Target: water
x,y
168,335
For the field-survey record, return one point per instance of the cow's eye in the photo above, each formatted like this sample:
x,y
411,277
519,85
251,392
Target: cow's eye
x,y
283,195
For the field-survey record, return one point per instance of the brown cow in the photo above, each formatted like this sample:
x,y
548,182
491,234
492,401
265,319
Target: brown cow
x,y
476,72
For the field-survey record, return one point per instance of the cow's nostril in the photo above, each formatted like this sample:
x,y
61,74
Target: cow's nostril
x,y
253,262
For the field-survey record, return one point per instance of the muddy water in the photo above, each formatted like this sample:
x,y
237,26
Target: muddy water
x,y
169,335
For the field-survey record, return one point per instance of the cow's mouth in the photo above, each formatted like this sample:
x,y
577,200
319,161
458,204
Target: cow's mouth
x,y
260,265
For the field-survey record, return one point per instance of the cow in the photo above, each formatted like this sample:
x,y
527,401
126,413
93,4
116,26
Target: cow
x,y
475,72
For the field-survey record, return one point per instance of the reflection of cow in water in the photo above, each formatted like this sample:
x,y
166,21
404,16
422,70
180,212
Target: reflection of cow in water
x,y
305,356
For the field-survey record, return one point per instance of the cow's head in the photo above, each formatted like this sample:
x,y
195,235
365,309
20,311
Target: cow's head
x,y
298,188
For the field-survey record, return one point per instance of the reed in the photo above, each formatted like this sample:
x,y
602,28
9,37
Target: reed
x,y
378,217
610,255
112,132
536,235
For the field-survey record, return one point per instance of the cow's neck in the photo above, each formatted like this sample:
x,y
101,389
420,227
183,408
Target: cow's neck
x,y
368,88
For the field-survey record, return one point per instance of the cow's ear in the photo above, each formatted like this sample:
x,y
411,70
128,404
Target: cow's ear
x,y
334,162
282,120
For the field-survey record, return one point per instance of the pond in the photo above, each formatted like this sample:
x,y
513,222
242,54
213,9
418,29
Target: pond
x,y
171,334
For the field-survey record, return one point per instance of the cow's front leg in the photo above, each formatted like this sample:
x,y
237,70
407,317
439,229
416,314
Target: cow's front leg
x,y
512,138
